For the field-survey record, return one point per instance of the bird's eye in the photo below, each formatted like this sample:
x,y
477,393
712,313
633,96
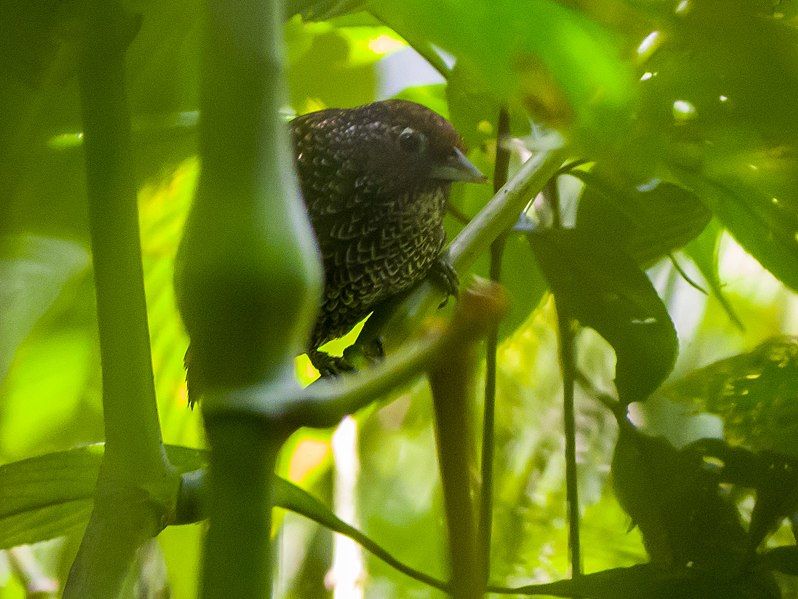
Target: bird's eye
x,y
412,141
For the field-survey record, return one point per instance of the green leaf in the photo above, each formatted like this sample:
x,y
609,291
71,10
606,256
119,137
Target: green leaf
x,y
768,230
324,71
755,393
677,505
703,251
581,82
44,388
649,581
647,222
602,287
52,495
706,92
33,272
781,559
321,10
47,496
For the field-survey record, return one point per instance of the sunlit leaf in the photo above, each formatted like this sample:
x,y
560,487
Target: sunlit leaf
x,y
44,388
603,288
755,393
580,82
33,272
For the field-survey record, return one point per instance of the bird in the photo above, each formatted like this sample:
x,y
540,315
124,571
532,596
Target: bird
x,y
375,180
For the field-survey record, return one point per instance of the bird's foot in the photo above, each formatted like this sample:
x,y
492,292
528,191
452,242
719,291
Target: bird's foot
x,y
329,366
445,276
369,351
354,356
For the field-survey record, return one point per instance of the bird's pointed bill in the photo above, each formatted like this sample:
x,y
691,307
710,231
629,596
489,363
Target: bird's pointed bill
x,y
457,168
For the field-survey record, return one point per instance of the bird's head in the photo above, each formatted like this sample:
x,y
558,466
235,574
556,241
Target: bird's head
x,y
406,145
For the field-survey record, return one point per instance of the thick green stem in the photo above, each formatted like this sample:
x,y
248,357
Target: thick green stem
x,y
135,484
237,560
248,283
128,388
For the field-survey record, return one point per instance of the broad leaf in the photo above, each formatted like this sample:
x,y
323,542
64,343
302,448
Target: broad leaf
x,y
781,559
755,393
602,287
648,581
766,225
33,272
581,82
721,91
648,222
52,495
677,505
47,496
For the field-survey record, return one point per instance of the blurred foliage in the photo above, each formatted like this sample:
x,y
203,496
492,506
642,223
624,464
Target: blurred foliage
x,y
685,114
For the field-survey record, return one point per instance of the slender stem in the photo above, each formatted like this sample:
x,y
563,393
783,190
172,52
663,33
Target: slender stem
x,y
566,335
135,483
485,524
564,323
687,278
501,213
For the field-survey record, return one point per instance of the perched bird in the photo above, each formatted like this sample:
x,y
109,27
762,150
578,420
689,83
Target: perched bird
x,y
375,180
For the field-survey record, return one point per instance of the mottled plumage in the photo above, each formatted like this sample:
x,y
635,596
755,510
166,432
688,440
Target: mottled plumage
x,y
375,180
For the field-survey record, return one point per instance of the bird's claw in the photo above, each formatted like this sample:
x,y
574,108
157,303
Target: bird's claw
x,y
333,366
445,276
329,366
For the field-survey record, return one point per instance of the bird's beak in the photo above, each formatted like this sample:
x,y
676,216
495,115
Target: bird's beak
x,y
457,168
